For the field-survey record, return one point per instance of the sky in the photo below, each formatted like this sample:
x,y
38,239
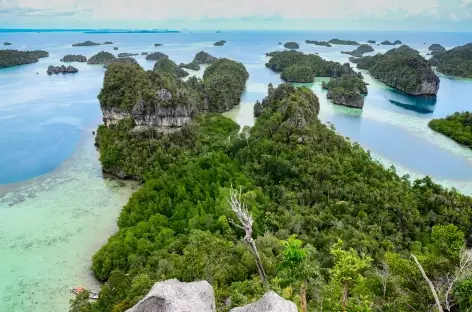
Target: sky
x,y
423,15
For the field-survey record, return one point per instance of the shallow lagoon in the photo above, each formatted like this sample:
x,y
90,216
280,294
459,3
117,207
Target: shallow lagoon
x,y
56,209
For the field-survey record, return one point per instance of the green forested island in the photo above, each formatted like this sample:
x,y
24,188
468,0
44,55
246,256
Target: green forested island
x,y
457,126
436,49
7,43
87,43
386,42
10,58
455,62
292,45
402,68
125,54
74,58
334,229
200,58
166,65
319,43
343,42
101,58
220,43
360,50
299,67
371,41
154,56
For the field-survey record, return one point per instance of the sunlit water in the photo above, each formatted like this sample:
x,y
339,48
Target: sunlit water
x,y
56,209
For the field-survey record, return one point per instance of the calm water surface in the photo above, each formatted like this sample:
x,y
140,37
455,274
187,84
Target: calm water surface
x,y
56,209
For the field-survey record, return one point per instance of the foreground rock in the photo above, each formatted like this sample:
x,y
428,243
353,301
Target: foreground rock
x,y
271,302
403,69
14,57
101,58
291,45
74,58
61,70
175,296
455,62
87,43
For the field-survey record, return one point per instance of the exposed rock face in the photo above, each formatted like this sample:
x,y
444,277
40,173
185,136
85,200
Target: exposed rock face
x,y
74,58
61,70
175,296
271,302
350,99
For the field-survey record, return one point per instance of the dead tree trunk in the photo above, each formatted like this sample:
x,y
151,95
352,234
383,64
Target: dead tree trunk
x,y
431,286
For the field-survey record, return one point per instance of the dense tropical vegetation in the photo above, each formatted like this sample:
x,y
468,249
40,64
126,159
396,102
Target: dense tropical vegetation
x,y
357,224
457,126
291,45
166,65
402,68
87,43
14,57
455,62
156,56
101,58
347,90
220,43
436,48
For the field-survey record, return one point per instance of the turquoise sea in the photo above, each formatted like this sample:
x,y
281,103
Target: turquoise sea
x,y
57,209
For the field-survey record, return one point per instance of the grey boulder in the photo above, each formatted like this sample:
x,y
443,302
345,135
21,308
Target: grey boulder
x,y
271,302
175,296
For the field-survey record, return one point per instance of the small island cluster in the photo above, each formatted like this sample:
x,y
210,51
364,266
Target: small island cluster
x,y
199,59
345,88
89,43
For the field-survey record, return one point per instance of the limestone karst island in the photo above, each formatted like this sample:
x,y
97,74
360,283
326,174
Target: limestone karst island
x,y
226,156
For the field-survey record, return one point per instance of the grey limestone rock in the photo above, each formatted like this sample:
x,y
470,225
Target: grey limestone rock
x,y
271,302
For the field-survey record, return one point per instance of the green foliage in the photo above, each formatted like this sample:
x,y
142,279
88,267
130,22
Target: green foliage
x,y
167,66
297,73
204,58
224,82
448,240
360,50
14,57
455,62
346,90
457,126
87,43
463,295
155,56
192,65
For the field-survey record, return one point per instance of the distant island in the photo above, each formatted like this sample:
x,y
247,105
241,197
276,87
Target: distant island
x,y
144,53
155,56
7,43
61,70
436,49
101,58
220,43
167,66
343,42
319,43
296,66
291,45
123,54
115,48
108,42
371,41
10,58
158,44
457,126
386,42
87,43
200,58
121,60
455,62
74,58
402,68
360,50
